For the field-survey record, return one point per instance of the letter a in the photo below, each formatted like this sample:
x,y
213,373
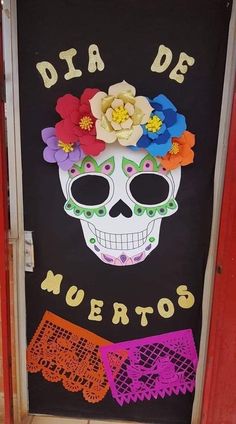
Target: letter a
x,y
95,60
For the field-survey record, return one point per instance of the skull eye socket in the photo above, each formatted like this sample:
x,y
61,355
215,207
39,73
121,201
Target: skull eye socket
x,y
90,190
149,188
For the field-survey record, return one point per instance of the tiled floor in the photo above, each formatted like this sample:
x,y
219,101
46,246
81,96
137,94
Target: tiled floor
x,y
57,420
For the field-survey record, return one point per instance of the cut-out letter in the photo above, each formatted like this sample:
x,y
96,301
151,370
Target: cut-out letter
x,y
48,73
67,55
181,68
165,307
186,298
95,60
52,283
143,312
120,314
162,60
74,296
95,311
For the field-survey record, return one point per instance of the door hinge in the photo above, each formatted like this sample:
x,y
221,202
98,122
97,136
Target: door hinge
x,y
29,252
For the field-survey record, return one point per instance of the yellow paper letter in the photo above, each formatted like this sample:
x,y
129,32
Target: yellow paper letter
x,y
162,60
52,283
95,311
165,307
143,312
67,56
186,298
74,297
120,314
48,73
95,60
180,69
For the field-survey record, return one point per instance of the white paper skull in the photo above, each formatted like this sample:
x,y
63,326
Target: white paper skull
x,y
115,199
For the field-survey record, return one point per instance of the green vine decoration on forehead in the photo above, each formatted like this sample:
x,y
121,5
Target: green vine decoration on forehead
x,y
148,163
89,164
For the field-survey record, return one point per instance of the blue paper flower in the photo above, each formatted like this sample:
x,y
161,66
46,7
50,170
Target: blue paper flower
x,y
163,124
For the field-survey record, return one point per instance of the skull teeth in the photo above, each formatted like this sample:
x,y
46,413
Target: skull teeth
x,y
127,241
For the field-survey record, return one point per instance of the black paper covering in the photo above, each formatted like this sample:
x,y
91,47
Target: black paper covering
x,y
128,33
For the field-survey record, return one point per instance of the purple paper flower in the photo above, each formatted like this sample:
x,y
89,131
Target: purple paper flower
x,y
65,154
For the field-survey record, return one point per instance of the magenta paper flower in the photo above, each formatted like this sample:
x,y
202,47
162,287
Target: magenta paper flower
x,y
64,154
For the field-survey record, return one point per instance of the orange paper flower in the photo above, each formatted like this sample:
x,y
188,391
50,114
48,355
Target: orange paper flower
x,y
181,153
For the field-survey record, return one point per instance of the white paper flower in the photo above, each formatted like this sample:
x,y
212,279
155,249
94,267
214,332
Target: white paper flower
x,y
120,114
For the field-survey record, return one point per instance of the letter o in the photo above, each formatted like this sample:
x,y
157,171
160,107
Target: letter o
x,y
165,307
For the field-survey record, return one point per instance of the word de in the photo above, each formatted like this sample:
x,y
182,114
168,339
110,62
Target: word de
x,y
163,60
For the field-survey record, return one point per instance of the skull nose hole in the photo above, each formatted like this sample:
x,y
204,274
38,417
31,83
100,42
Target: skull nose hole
x,y
120,207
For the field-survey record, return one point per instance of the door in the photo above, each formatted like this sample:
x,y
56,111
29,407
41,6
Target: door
x,y
120,107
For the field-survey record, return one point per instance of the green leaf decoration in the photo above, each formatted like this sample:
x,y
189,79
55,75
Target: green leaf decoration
x,y
149,157
127,163
89,164
107,167
89,160
77,167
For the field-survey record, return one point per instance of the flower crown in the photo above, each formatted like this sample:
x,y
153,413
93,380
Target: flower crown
x,y
137,122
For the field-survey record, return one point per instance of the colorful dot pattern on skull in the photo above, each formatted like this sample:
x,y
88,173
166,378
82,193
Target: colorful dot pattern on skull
x,y
147,164
158,210
87,212
89,164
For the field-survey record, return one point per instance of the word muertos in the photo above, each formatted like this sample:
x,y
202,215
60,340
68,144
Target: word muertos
x,y
75,296
161,63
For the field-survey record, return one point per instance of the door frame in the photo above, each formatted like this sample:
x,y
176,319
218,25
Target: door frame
x,y
220,169
4,257
16,235
219,388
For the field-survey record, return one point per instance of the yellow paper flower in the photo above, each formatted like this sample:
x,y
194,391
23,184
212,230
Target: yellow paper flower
x,y
120,114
